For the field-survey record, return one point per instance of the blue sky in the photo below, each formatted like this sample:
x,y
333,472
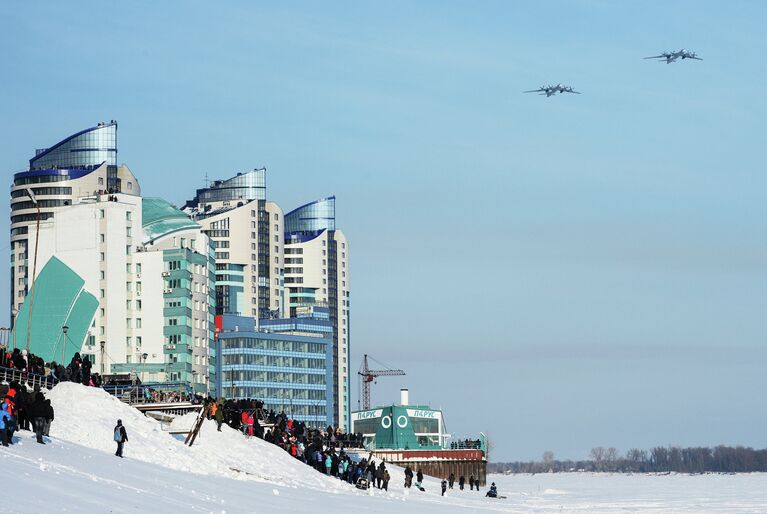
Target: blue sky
x,y
560,273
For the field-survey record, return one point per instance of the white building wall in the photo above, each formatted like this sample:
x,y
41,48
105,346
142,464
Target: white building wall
x,y
92,239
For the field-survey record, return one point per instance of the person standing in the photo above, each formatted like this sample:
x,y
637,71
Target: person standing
x,y
37,414
387,477
451,480
48,417
5,420
471,482
444,486
219,415
120,437
461,482
408,477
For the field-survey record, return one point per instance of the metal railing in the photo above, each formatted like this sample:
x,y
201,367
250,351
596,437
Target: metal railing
x,y
8,375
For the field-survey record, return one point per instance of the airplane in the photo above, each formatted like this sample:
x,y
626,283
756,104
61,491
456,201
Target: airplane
x,y
673,56
553,90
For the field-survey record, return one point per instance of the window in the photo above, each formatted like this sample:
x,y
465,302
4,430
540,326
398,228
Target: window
x,y
128,304
102,312
130,186
128,231
276,238
128,322
138,322
128,268
276,227
138,287
102,293
102,275
103,238
276,216
128,215
102,256
138,340
138,267
138,305
129,286
128,249
276,248
101,183
128,340
324,242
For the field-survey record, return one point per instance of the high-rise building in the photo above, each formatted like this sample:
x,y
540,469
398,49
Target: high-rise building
x,y
286,363
148,265
316,273
151,269
247,234
77,166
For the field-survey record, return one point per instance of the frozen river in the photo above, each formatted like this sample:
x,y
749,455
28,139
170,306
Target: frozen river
x,y
587,492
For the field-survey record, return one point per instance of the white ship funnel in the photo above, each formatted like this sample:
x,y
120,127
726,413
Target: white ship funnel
x,y
404,397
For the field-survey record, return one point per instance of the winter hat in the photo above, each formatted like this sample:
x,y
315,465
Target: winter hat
x,y
119,422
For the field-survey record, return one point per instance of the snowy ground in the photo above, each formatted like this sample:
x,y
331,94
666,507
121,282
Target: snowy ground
x,y
225,472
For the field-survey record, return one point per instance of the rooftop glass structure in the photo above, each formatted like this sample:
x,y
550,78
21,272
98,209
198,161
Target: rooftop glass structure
x,y
59,301
244,187
311,219
89,147
160,218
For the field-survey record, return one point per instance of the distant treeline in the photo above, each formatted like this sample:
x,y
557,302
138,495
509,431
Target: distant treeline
x,y
722,459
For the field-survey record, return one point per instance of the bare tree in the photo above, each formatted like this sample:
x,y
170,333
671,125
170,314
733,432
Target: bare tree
x,y
611,458
548,460
598,457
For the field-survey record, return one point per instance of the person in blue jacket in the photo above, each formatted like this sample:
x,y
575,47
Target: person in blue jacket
x,y
5,419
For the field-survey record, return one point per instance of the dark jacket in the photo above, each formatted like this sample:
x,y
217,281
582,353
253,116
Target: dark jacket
x,y
37,408
48,410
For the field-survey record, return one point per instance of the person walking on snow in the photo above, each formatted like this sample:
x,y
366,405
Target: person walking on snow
x,y
461,482
444,486
120,437
451,480
471,483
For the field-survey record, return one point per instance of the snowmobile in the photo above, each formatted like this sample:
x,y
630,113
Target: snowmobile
x,y
362,483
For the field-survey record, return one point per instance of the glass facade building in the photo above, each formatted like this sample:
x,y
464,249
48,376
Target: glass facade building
x,y
243,187
89,147
289,371
309,220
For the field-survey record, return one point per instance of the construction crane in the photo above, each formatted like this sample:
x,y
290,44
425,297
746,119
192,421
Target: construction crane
x,y
368,375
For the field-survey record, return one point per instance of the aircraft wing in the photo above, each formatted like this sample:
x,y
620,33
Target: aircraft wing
x,y
655,57
693,57
533,91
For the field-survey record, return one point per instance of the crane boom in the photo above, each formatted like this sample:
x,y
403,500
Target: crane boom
x,y
368,375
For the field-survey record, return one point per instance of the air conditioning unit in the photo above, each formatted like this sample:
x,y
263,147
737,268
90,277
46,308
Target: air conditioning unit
x,y
165,273
167,291
138,293
138,275
170,346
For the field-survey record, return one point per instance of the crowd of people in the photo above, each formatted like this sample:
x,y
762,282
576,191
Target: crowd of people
x,y
322,449
466,444
78,370
22,409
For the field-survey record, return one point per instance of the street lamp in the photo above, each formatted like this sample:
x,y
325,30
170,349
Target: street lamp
x,y
64,330
143,368
32,197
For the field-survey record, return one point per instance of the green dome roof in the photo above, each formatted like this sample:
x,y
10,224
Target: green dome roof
x,y
160,218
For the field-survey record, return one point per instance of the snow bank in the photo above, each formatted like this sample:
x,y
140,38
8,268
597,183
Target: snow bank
x,y
88,415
